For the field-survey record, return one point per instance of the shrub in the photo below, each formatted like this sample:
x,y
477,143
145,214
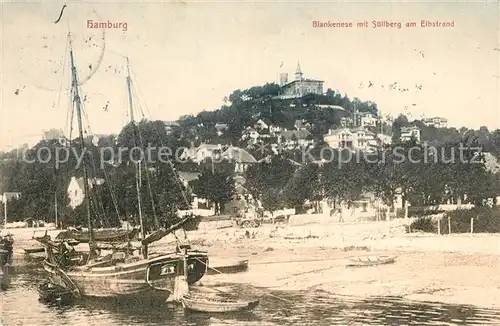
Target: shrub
x,y
425,224
486,220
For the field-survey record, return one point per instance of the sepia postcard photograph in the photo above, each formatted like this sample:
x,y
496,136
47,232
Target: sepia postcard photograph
x,y
249,163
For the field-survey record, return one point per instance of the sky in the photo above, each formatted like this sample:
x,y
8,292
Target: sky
x,y
187,56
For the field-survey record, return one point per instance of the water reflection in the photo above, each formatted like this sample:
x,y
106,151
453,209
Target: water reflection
x,y
311,308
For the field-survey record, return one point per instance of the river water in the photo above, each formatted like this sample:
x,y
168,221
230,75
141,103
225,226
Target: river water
x,y
20,306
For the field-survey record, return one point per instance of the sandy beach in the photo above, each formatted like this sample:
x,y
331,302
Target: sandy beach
x,y
457,268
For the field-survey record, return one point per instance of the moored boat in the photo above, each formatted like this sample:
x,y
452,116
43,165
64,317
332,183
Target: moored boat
x,y
118,275
34,250
121,272
371,260
101,235
216,305
227,267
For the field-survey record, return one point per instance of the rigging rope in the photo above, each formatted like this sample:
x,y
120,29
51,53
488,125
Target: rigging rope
x,y
161,142
261,291
97,196
62,69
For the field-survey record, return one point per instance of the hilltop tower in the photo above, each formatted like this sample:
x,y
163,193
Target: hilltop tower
x,y
298,72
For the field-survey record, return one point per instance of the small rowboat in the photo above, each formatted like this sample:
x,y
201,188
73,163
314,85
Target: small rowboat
x,y
216,305
34,250
371,260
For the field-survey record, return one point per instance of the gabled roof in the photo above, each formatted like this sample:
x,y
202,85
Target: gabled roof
x,y
210,147
338,131
240,190
93,181
306,80
188,176
299,134
366,113
7,196
409,128
239,155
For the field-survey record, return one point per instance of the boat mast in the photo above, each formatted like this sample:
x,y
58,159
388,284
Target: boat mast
x,y
55,206
132,121
77,101
137,135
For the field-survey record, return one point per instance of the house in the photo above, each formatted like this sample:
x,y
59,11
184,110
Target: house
x,y
301,124
221,128
273,130
346,122
240,157
300,86
408,133
250,134
436,122
201,153
372,142
339,138
7,196
366,119
295,138
170,126
384,139
187,177
328,106
53,134
261,125
76,190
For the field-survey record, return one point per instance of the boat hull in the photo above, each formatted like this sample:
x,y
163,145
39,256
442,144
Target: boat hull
x,y
371,260
146,276
99,235
215,306
240,266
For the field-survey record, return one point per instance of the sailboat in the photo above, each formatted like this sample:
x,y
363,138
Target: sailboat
x,y
119,273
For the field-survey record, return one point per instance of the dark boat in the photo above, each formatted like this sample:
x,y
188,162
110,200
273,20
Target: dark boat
x,y
117,275
99,235
228,268
34,250
196,302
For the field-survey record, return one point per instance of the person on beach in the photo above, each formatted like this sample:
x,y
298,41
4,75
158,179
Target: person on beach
x,y
8,245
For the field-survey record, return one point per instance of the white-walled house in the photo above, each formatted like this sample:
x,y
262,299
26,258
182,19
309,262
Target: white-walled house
x,y
202,152
76,191
295,138
408,133
436,122
261,125
367,119
356,138
7,196
240,157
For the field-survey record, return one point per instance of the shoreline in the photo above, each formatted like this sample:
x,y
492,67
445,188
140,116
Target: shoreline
x,y
454,269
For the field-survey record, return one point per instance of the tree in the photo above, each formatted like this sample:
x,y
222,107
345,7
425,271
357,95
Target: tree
x,y
303,185
266,181
217,187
